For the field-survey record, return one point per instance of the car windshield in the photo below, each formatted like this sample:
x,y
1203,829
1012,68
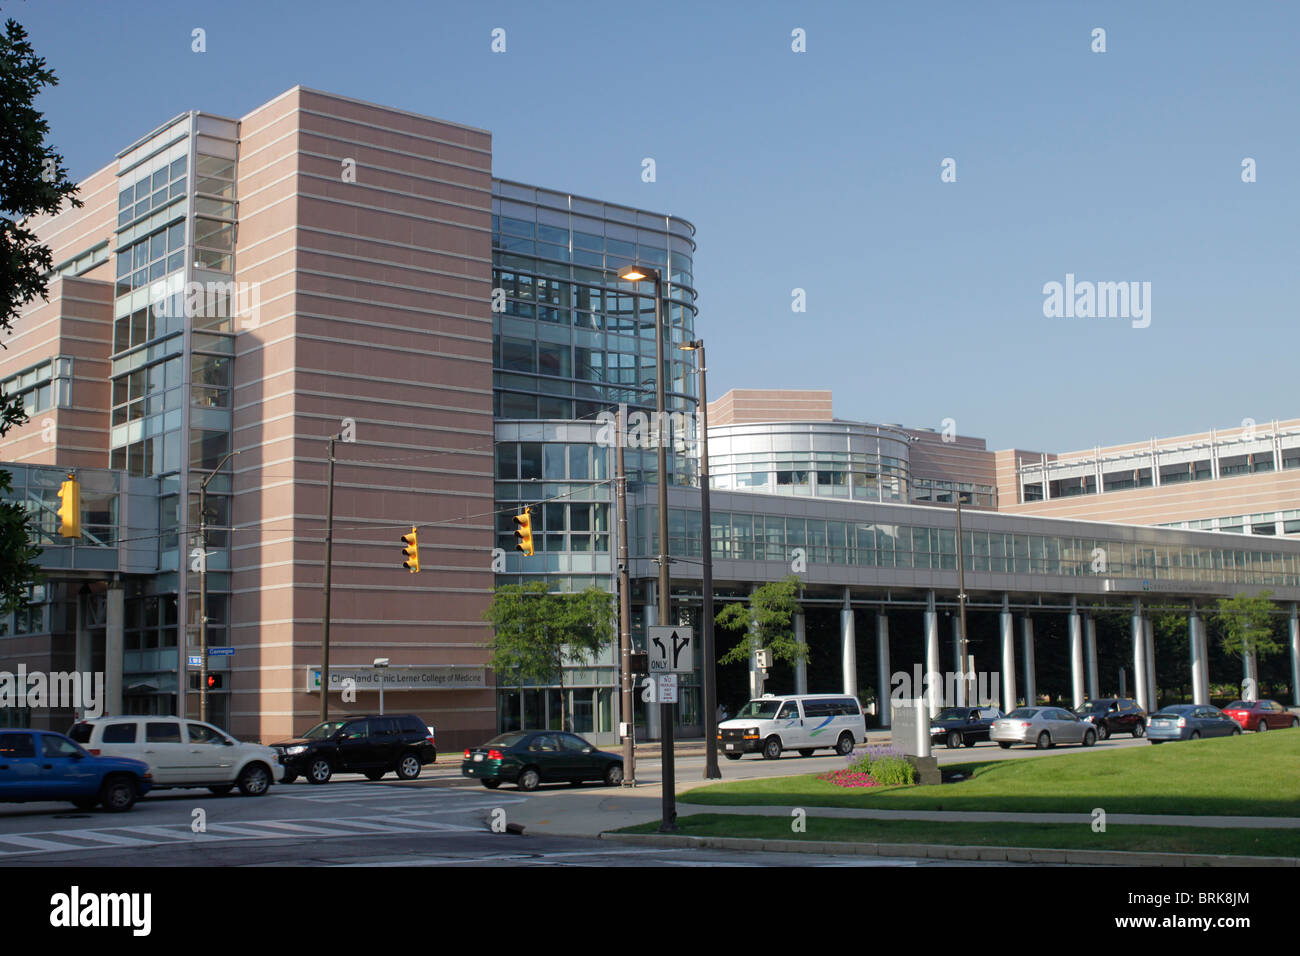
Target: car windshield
x,y
1176,710
322,731
1238,705
506,740
953,713
765,709
1024,712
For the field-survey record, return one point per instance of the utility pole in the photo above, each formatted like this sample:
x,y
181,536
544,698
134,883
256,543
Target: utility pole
x,y
329,563
628,707
203,588
967,677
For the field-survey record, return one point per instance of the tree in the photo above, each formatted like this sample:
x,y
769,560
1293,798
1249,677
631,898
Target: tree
x,y
1248,634
765,621
32,182
536,632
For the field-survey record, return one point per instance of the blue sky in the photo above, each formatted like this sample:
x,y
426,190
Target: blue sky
x,y
821,171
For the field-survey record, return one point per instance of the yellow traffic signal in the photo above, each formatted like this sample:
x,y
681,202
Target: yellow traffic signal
x,y
412,552
524,533
70,508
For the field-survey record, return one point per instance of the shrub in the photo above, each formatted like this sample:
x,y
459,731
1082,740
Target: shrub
x,y
885,765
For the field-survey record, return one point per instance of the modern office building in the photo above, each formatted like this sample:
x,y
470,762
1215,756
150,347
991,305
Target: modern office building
x,y
236,292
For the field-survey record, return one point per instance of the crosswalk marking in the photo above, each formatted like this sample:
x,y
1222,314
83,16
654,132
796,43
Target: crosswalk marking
x,y
35,844
99,836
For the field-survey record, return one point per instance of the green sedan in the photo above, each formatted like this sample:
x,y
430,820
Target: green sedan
x,y
528,758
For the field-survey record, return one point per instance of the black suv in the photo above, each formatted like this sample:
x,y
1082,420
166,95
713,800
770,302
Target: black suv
x,y
370,745
1113,715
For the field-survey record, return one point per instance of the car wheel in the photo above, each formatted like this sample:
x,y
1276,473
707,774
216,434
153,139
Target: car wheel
x,y
1044,740
1263,726
1154,742
375,774
1103,732
222,790
86,804
732,756
1295,723
491,784
805,752
1089,738
529,778
970,741
614,775
772,748
1139,729
118,794
576,782
844,746
255,780
954,740
1005,745
408,768
319,771
289,777
1236,732
1196,735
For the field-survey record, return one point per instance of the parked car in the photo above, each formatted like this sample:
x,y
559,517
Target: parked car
x,y
1261,715
528,758
42,765
956,726
1189,722
1113,715
373,745
804,722
183,753
1042,726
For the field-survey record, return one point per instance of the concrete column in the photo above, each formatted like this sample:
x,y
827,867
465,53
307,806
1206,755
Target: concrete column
x,y
1250,678
1090,642
1295,655
848,649
1008,657
1076,653
1200,676
882,669
1027,651
1139,656
934,698
114,647
960,666
801,668
1150,631
651,618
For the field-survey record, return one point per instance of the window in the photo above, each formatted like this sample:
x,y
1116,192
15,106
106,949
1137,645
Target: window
x,y
357,730
572,744
53,746
789,711
119,733
17,746
42,387
203,734
162,733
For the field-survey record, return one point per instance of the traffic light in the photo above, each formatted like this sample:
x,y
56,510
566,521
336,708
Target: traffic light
x,y
524,533
412,552
70,508
215,681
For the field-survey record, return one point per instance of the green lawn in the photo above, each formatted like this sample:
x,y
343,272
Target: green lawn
x,y
1250,775
1153,839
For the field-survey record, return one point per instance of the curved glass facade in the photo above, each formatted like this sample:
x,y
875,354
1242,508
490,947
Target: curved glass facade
x,y
822,459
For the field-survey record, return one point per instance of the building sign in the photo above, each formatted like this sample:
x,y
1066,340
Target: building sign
x,y
910,728
441,677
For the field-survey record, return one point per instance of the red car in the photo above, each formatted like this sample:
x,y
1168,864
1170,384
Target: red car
x,y
1261,715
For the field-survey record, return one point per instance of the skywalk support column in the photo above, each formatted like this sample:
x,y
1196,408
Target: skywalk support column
x,y
1027,648
113,650
1090,640
1139,656
801,668
1200,682
848,648
1295,654
883,698
1008,657
1148,627
933,697
1076,652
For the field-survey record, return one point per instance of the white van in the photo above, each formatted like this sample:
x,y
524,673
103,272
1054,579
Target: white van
x,y
183,753
802,722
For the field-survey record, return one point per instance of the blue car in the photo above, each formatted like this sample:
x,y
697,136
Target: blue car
x,y
40,765
1189,722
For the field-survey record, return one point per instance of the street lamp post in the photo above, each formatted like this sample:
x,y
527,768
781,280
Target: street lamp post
x,y
329,568
381,663
711,771
203,587
967,677
668,823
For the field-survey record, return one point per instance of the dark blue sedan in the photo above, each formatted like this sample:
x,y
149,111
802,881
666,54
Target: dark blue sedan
x,y
1189,722
40,765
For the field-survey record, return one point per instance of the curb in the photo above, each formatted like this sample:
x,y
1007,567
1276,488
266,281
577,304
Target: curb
x,y
935,851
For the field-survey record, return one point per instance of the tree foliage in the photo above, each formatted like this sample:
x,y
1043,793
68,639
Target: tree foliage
x,y
1247,625
766,620
32,182
537,632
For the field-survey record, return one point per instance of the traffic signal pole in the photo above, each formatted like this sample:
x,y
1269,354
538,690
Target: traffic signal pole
x,y
628,707
203,588
329,566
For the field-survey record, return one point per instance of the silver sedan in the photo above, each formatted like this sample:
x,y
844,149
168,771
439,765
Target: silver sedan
x,y
1042,726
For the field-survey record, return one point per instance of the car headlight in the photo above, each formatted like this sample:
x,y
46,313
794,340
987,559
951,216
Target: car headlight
x,y
296,749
